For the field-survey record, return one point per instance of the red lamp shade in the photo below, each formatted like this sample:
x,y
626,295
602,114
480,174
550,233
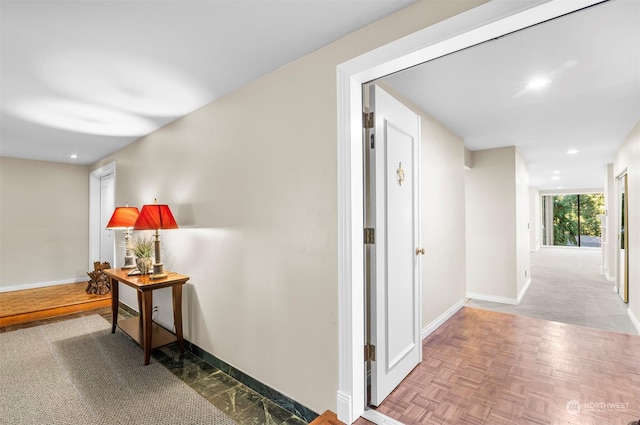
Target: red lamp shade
x,y
154,217
123,217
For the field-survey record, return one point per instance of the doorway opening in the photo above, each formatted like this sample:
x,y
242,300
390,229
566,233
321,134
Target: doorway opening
x,y
101,206
483,23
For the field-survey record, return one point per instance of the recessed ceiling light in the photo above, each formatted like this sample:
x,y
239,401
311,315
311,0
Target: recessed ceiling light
x,y
558,187
572,151
556,172
555,178
73,156
538,83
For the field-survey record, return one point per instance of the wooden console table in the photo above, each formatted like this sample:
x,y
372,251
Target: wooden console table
x,y
142,329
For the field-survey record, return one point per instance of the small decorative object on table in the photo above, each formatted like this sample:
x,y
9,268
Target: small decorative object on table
x,y
143,250
100,283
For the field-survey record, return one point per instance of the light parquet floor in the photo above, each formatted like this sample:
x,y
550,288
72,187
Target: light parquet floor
x,y
485,367
29,305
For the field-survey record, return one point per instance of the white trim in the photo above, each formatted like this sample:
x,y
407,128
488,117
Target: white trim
x,y
582,191
344,405
492,298
524,290
427,330
94,209
483,23
608,276
586,248
43,284
378,418
634,320
621,173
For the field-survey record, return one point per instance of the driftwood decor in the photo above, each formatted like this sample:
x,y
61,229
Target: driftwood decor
x,y
100,283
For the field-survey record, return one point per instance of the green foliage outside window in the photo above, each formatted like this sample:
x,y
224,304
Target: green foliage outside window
x,y
565,217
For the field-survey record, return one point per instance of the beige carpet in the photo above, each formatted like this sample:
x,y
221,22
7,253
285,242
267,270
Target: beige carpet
x,y
77,372
566,286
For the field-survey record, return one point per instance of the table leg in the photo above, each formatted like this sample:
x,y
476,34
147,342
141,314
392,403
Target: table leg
x,y
139,301
147,300
114,304
177,314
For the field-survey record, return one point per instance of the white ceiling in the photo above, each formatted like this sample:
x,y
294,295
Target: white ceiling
x,y
593,59
89,77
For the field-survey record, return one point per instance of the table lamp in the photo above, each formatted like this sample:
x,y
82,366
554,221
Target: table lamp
x,y
155,217
124,218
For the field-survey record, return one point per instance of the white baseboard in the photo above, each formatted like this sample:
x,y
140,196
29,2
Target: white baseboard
x,y
492,298
524,290
609,278
345,408
42,284
427,330
378,418
634,320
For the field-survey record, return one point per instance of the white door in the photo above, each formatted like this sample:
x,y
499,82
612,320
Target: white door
x,y
107,205
394,262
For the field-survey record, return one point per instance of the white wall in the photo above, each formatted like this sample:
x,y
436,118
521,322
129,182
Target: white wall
x,y
251,179
535,215
44,216
523,224
497,225
610,236
628,158
443,220
442,180
491,237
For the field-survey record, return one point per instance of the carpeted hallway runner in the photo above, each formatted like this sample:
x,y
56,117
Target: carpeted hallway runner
x,y
77,372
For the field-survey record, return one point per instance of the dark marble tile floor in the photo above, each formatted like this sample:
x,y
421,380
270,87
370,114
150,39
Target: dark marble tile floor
x,y
236,400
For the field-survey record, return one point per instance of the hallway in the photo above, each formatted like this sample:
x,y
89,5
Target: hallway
x,y
567,287
484,367
487,367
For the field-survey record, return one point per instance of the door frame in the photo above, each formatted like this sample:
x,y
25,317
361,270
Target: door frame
x,y
483,23
94,208
622,285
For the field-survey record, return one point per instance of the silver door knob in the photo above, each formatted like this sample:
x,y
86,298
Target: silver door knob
x,y
420,251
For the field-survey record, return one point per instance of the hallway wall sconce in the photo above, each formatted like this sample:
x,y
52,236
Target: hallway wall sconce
x,y
124,218
155,217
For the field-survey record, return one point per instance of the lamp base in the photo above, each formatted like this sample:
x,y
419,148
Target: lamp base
x,y
129,263
158,271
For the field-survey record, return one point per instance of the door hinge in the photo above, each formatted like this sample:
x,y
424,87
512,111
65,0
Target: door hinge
x,y
369,353
367,120
369,236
